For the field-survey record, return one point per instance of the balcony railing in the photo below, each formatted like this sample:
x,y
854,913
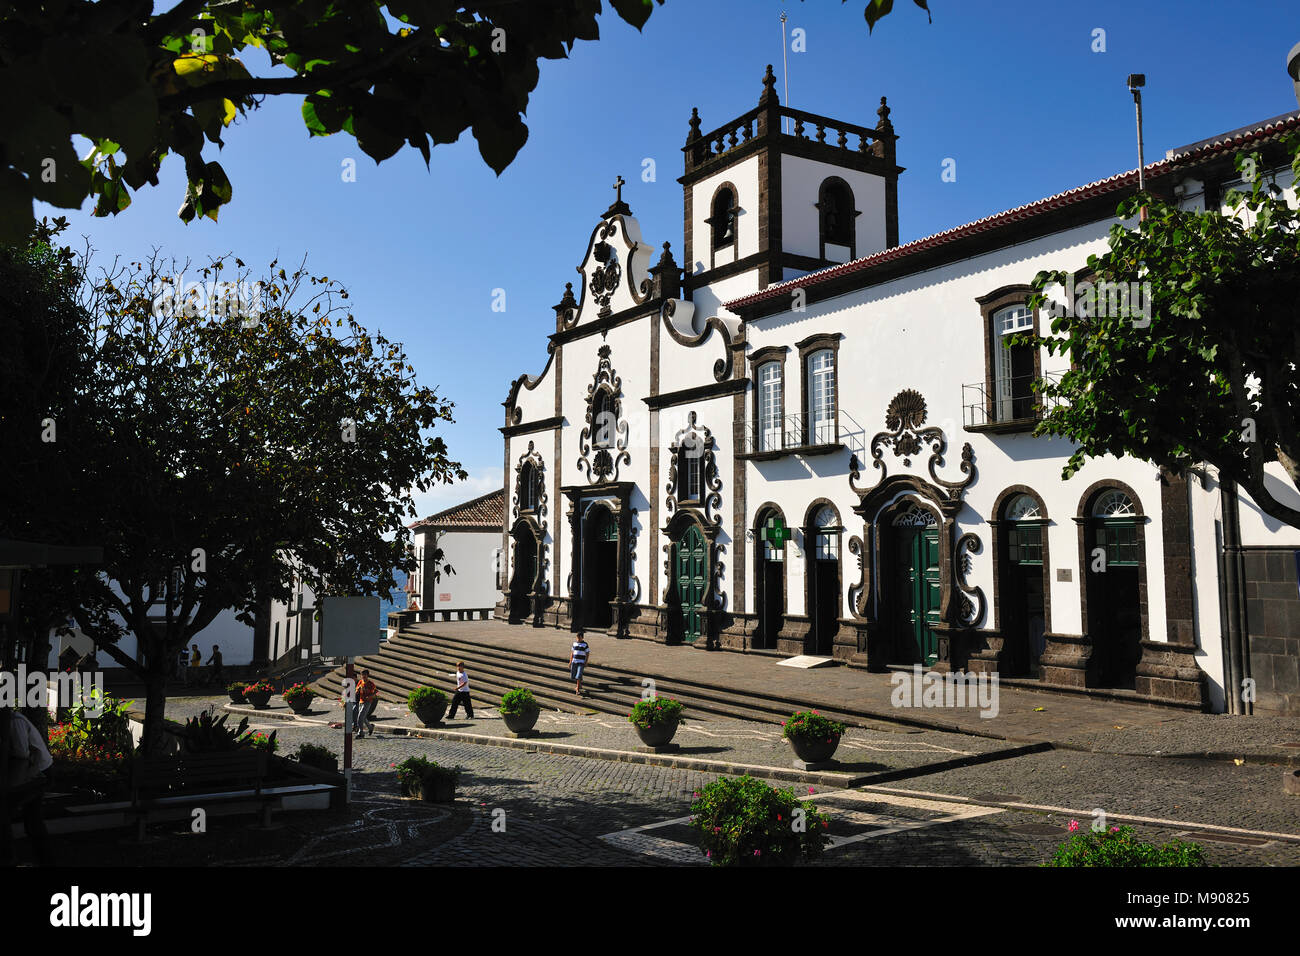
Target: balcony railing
x,y
1013,401
793,435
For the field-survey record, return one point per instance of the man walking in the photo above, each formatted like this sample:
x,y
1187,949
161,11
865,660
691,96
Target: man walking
x,y
578,660
367,699
462,693
215,661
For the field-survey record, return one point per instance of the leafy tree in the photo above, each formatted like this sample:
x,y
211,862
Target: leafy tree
x,y
1185,346
236,436
139,85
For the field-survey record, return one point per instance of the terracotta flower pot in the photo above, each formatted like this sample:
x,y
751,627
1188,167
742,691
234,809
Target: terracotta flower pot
x,y
521,722
300,705
814,749
656,735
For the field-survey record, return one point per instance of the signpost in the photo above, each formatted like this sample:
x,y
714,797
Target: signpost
x,y
347,630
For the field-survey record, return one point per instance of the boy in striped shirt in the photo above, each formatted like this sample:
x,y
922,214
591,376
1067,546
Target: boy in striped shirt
x,y
578,661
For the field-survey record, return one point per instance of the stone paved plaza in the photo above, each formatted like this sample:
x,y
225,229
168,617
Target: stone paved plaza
x,y
569,810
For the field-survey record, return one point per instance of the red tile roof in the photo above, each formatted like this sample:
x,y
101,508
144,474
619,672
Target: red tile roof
x,y
1184,156
484,512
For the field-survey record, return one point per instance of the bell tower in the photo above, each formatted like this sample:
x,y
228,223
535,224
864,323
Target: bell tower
x,y
778,192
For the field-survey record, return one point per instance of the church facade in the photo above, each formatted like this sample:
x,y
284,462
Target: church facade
x,y
806,438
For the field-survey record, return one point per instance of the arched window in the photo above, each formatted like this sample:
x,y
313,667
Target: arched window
x,y
723,218
528,487
837,214
1114,520
604,422
826,524
689,472
770,413
1013,372
1025,538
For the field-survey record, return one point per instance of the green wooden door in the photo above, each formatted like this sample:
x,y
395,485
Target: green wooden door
x,y
919,553
692,581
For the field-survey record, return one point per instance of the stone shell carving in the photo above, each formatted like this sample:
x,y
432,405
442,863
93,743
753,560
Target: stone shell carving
x,y
906,438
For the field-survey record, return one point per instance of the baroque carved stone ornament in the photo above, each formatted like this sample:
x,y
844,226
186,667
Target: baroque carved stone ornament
x,y
604,278
530,468
694,441
603,443
906,438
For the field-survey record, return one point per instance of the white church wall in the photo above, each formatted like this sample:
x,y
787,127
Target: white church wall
x,y
800,221
744,176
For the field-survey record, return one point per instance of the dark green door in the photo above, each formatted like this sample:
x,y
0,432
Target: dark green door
x,y
692,581
918,599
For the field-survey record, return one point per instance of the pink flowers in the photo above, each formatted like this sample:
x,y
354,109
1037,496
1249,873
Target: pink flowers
x,y
1074,825
758,853
1114,829
810,789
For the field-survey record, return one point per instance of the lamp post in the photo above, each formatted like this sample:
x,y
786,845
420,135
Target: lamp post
x,y
1135,83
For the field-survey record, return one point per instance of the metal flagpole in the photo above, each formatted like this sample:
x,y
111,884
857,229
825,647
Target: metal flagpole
x,y
785,74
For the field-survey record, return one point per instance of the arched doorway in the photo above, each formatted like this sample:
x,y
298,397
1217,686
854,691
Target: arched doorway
x,y
1022,608
690,564
1114,561
822,545
771,535
599,567
914,599
525,572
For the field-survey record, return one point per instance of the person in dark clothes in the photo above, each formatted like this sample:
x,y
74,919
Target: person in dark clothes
x,y
215,660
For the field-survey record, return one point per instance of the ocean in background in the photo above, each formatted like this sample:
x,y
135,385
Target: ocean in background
x,y
399,604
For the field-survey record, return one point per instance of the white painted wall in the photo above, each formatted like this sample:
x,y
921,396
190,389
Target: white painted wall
x,y
744,176
473,556
800,222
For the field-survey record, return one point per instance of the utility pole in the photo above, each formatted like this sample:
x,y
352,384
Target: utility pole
x,y
1135,83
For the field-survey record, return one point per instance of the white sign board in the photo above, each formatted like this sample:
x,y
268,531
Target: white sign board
x,y
349,626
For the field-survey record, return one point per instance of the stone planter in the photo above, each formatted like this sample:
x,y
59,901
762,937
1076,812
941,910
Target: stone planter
x,y
236,696
814,750
259,699
300,705
431,714
522,723
435,791
657,735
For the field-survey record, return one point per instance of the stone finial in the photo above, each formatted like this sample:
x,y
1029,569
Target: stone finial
x,y
667,275
769,88
694,134
567,301
883,113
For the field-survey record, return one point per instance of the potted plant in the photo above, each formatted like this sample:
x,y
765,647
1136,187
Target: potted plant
x,y
813,737
260,741
428,704
427,779
1119,847
741,821
519,709
259,693
656,720
314,755
299,698
236,691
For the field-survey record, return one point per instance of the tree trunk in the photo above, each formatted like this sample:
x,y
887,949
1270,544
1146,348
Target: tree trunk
x,y
151,744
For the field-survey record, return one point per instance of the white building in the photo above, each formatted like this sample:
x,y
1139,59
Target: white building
x,y
815,443
469,536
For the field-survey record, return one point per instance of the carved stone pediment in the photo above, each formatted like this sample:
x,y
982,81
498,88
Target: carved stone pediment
x,y
906,437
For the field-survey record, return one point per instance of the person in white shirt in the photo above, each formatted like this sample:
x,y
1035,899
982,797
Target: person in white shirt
x,y
462,693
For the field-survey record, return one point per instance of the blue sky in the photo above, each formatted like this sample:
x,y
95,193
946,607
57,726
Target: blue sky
x,y
1011,90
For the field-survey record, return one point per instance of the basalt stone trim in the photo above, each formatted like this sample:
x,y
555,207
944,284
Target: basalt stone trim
x,y
1141,519
641,310
1065,660
1273,628
527,428
989,304
1168,671
655,454
999,527
1176,534
686,396
739,478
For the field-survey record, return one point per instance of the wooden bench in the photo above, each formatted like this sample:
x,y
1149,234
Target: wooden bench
x,y
200,780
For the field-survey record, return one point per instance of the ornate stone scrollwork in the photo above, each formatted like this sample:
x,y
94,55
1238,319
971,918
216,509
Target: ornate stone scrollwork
x,y
534,500
515,414
973,605
719,566
722,368
695,439
603,443
857,592
906,438
603,281
634,588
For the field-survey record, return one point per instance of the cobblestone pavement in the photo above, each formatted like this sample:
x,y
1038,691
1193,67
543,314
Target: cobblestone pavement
x,y
517,808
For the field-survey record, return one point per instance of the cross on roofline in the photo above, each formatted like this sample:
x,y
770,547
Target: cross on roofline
x,y
618,188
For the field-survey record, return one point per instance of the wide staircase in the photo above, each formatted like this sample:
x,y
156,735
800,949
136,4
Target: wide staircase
x,y
413,659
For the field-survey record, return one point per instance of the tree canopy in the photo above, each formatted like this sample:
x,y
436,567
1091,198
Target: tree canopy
x,y
139,85
1185,347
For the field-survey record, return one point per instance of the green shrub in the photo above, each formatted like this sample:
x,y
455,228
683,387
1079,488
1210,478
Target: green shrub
x,y
261,741
1119,847
422,770
519,701
109,733
741,821
809,724
236,689
653,711
423,697
314,755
